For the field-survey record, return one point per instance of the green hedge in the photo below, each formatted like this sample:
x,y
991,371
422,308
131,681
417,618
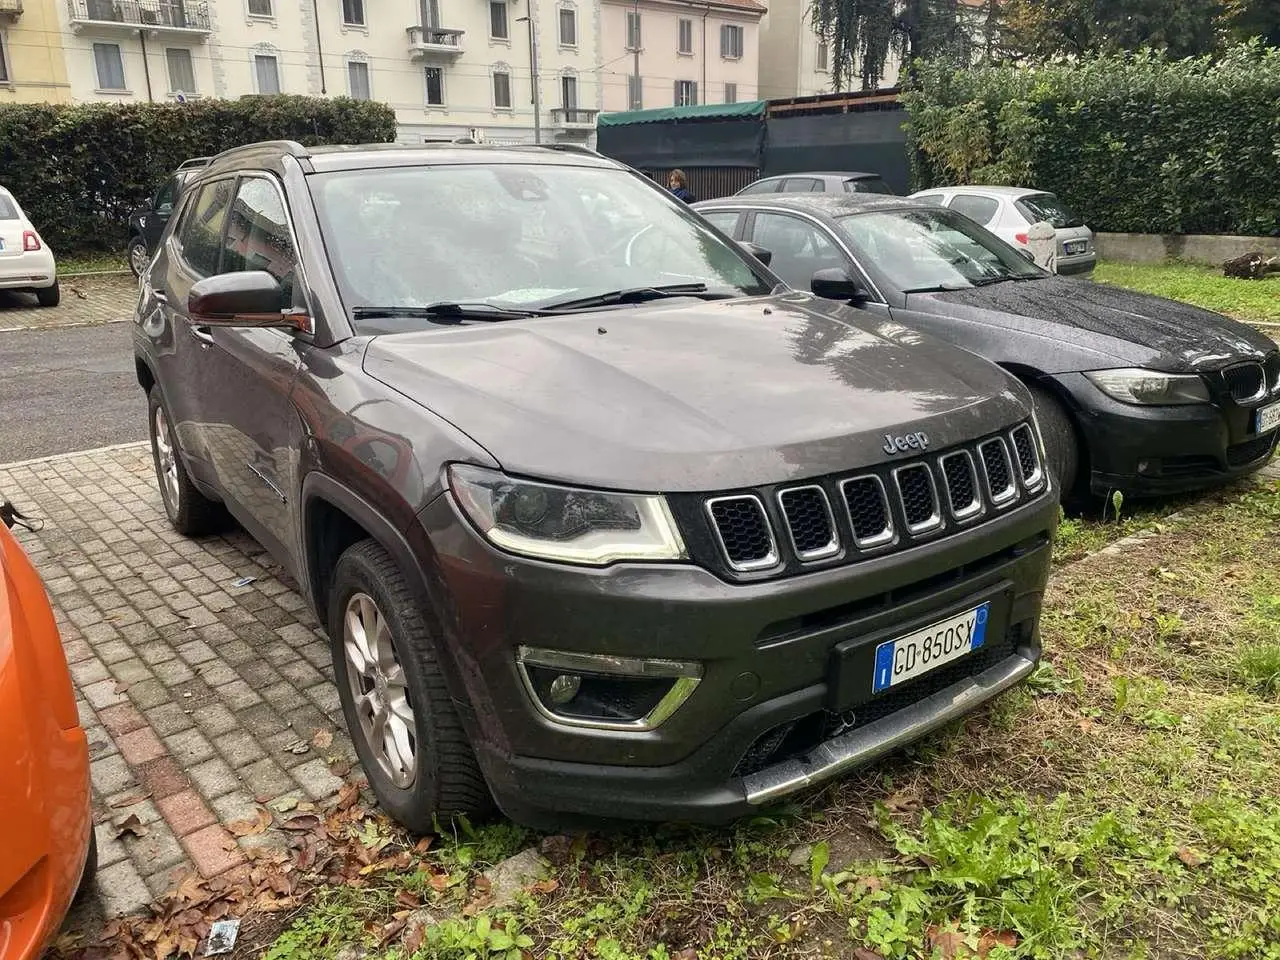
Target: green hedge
x,y
79,171
1135,143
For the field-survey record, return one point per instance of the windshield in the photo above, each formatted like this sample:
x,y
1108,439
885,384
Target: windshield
x,y
516,236
1045,206
928,249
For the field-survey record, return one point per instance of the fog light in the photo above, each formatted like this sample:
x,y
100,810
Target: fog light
x,y
605,692
564,688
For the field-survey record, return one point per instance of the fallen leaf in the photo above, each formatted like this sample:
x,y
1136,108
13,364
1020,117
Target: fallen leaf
x,y
421,847
546,886
1085,725
192,889
413,939
1191,857
132,825
407,898
339,766
482,884
951,943
869,884
307,821
862,953
688,953
902,802
323,739
298,747
476,905
121,687
131,799
439,882
284,804
350,793
253,826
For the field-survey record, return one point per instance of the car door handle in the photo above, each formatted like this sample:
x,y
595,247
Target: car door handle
x,y
202,334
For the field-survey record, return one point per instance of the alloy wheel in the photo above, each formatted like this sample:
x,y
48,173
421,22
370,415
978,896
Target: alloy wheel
x,y
166,460
138,258
379,690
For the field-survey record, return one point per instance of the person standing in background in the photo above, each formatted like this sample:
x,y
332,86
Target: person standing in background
x,y
679,186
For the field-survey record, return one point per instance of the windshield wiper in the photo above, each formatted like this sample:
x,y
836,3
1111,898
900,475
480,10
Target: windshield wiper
x,y
637,295
446,312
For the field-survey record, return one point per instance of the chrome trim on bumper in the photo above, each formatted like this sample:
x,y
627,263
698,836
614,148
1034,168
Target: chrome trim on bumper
x,y
865,744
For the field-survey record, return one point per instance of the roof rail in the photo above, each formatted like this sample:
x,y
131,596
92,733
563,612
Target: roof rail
x,y
290,147
570,148
194,162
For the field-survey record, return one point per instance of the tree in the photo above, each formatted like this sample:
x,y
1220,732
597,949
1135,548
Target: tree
x,y
1038,29
1247,19
863,33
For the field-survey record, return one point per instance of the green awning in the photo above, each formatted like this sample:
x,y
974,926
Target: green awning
x,y
703,111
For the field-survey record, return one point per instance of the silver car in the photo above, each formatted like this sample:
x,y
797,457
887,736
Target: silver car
x,y
1010,212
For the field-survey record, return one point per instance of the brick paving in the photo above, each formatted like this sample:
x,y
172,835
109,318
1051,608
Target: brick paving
x,y
87,300
200,698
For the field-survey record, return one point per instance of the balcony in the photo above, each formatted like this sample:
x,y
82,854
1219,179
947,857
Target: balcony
x,y
189,18
434,43
573,118
10,9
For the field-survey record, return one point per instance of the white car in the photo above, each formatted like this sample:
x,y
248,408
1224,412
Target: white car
x,y
26,262
1010,212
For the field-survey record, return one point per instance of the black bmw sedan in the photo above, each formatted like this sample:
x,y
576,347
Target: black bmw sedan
x,y
1133,392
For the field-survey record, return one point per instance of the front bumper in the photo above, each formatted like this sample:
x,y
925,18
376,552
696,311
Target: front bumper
x,y
27,271
769,651
1151,451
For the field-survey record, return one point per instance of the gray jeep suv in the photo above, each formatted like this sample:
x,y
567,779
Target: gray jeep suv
x,y
602,519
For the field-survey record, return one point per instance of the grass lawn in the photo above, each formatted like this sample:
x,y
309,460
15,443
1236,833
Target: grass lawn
x,y
1254,301
94,263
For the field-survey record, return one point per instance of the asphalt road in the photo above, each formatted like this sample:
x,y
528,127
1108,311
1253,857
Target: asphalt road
x,y
69,389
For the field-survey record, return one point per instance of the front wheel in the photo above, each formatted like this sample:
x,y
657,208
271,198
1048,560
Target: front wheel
x,y
1062,449
139,256
189,510
398,710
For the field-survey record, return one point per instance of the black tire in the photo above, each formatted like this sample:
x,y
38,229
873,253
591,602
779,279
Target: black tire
x,y
189,511
90,867
447,781
1062,446
138,255
50,296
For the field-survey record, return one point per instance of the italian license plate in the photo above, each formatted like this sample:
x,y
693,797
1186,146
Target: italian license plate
x,y
906,658
1266,418
1075,246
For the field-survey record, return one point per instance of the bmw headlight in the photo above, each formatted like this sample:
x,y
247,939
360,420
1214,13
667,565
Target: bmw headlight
x,y
1150,388
549,522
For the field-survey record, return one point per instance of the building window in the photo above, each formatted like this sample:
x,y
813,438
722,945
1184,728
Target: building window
x,y
110,66
353,13
182,75
498,28
266,72
435,86
731,41
568,27
686,36
730,93
635,92
502,89
686,93
430,13
262,8
4,62
633,30
358,80
569,93
822,54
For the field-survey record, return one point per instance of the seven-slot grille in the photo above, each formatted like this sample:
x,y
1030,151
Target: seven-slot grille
x,y
1246,381
839,518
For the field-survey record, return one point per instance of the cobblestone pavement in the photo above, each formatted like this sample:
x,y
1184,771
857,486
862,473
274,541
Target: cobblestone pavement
x,y
86,300
200,697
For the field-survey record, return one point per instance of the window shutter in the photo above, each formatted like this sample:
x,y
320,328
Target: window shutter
x,y
694,86
675,96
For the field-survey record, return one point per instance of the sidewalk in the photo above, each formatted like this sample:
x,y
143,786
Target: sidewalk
x,y
109,298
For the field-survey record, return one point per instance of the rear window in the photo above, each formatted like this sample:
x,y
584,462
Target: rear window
x,y
8,209
1045,206
760,186
867,185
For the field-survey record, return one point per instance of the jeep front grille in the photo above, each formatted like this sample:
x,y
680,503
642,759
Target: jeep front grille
x,y
839,519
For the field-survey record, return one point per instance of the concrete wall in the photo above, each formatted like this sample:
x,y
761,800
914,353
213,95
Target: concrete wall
x,y
1156,248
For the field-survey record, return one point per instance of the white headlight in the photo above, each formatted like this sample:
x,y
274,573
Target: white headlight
x,y
1150,388
549,522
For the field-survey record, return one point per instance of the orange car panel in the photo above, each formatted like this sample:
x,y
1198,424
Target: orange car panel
x,y
46,818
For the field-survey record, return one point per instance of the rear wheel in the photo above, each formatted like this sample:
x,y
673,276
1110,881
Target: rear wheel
x,y
189,510
1061,444
398,710
50,296
139,256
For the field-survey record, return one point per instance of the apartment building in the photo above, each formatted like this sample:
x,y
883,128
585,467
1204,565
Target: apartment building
x,y
795,61
32,69
662,53
449,68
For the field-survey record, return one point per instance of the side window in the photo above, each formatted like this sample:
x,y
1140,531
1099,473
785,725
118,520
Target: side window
x,y
800,249
932,199
726,221
202,233
258,234
165,197
802,185
760,186
978,209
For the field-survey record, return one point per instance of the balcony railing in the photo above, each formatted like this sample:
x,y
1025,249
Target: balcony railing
x,y
184,15
11,9
434,41
573,117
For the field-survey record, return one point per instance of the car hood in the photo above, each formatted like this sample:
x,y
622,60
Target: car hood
x,y
1130,327
694,395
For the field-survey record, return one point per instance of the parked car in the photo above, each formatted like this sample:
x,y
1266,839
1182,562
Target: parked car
x,y
26,262
47,850
1010,213
848,182
655,542
146,224
1133,392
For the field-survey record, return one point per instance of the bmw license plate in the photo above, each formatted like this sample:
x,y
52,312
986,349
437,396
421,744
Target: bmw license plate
x,y
1266,418
906,658
1075,246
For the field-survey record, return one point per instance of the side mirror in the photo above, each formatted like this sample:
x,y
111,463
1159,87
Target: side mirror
x,y
834,283
757,251
251,298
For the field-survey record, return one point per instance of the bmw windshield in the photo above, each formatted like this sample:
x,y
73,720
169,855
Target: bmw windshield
x,y
413,245
921,250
